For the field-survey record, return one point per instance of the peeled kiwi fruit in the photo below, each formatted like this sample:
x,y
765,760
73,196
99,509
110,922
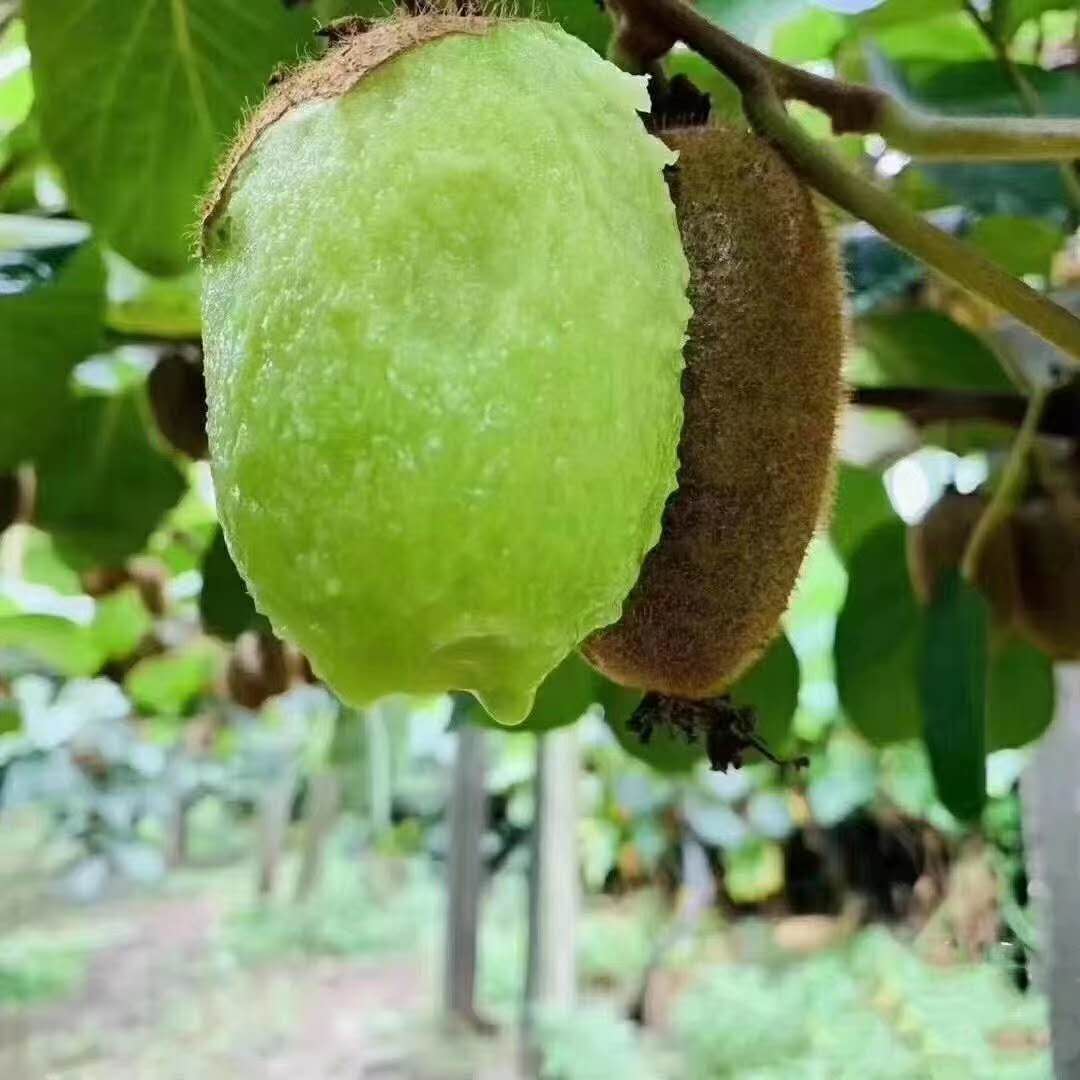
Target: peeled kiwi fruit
x,y
937,543
1047,531
762,392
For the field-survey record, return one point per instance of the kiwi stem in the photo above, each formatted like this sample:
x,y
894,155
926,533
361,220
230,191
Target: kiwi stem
x,y
1011,488
764,84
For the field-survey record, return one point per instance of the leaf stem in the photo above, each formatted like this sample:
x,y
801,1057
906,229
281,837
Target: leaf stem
x,y
1011,488
765,82
1028,95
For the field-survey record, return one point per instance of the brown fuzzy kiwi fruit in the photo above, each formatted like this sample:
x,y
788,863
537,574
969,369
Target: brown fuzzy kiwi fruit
x,y
1047,530
259,668
937,543
178,400
762,392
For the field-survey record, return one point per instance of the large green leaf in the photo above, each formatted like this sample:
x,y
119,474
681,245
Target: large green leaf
x,y
953,681
16,89
225,605
1020,695
980,88
121,622
51,307
105,487
925,348
751,20
170,684
771,686
137,98
1022,245
878,640
58,644
861,505
1009,15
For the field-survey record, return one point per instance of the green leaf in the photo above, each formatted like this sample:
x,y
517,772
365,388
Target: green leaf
x,y
925,348
771,686
750,20
878,640
51,306
169,684
225,605
1009,15
1021,245
980,88
940,30
953,683
1020,696
137,98
103,490
861,505
754,872
59,644
813,35
121,621
140,305
16,88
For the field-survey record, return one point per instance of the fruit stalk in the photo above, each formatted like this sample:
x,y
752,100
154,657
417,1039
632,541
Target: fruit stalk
x,y
1011,487
764,83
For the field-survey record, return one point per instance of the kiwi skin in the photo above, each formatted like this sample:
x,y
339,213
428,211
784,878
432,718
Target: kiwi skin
x,y
1047,530
762,393
937,543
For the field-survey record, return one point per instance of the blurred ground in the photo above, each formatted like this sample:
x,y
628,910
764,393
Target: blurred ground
x,y
196,980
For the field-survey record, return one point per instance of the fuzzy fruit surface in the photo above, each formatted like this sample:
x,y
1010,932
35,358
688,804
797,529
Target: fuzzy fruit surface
x,y
444,315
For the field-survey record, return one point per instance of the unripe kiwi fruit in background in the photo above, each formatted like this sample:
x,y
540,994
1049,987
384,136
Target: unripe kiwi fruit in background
x,y
936,546
444,306
762,394
1047,531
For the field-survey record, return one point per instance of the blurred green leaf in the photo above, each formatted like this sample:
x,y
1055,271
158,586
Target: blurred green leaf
x,y
925,348
1020,695
980,88
103,490
1007,16
141,305
953,682
1021,245
754,872
59,644
16,87
750,20
771,686
877,640
169,684
225,604
51,306
137,99
812,35
862,504
121,621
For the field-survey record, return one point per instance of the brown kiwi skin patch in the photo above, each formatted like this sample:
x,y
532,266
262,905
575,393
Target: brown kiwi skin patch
x,y
1047,530
762,393
936,545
